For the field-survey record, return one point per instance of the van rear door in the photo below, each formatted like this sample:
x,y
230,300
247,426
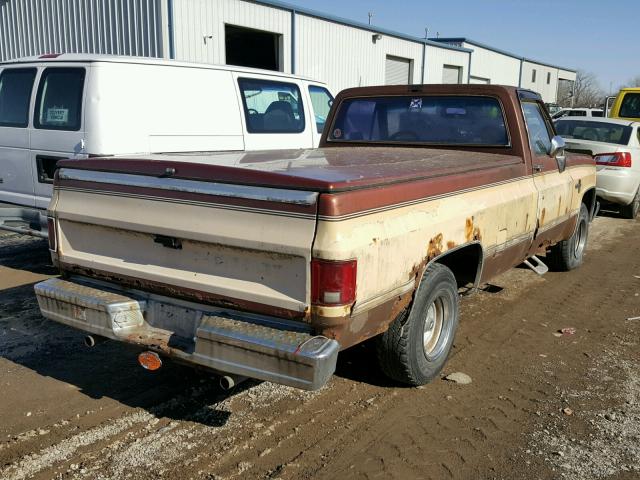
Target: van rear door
x,y
58,125
16,180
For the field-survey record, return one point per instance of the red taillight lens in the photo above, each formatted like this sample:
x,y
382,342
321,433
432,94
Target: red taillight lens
x,y
618,159
52,234
333,282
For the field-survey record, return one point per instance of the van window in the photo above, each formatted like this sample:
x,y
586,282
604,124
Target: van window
x,y
321,100
630,106
15,96
59,101
271,107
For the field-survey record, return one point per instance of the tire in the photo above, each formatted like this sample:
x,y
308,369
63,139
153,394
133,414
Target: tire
x,y
568,254
410,353
631,210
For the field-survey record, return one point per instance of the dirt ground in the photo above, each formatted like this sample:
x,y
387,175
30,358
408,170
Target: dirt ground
x,y
542,405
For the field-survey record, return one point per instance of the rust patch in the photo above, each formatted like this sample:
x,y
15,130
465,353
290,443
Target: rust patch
x,y
559,205
542,214
435,247
468,229
451,244
476,234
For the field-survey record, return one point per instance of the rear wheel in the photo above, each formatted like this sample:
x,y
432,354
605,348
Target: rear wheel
x,y
415,347
631,210
568,254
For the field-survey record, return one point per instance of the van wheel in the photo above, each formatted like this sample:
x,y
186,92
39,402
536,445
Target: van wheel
x,y
631,210
416,346
568,254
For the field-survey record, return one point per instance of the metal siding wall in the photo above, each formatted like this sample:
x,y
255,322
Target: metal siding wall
x,y
119,27
567,75
549,92
345,56
194,19
438,57
500,69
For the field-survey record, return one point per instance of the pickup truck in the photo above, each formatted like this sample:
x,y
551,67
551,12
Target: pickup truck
x,y
267,264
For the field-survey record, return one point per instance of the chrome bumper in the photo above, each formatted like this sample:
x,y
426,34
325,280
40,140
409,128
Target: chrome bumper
x,y
24,220
226,341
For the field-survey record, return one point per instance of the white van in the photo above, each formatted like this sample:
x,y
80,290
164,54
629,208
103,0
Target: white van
x,y
73,105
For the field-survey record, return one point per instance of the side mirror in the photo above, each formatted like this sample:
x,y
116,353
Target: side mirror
x,y
557,151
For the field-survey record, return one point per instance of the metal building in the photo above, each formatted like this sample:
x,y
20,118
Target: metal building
x,y
264,34
492,65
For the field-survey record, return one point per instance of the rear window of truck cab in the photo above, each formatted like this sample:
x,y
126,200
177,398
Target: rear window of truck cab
x,y
59,101
432,120
630,105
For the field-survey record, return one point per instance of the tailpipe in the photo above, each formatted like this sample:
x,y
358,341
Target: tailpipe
x,y
93,340
227,382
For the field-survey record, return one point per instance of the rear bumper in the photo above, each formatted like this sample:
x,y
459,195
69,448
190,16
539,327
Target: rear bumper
x,y
265,348
617,185
24,220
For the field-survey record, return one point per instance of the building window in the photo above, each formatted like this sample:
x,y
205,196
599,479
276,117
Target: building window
x,y
548,78
533,76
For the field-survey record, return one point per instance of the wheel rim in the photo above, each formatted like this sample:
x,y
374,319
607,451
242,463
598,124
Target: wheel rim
x,y
436,327
581,239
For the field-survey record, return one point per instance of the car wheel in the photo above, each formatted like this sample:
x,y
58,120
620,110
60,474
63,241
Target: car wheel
x,y
568,254
631,210
415,347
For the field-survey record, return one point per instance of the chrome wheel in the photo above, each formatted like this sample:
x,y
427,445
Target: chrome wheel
x,y
436,327
581,239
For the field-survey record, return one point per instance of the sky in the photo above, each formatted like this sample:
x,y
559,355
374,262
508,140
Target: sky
x,y
597,36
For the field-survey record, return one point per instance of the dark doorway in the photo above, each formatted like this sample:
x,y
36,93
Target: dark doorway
x,y
252,48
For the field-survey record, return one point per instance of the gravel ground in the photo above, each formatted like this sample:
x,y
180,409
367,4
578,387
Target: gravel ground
x,y
540,405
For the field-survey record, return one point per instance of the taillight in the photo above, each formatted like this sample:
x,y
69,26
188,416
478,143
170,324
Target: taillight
x,y
618,159
333,282
52,234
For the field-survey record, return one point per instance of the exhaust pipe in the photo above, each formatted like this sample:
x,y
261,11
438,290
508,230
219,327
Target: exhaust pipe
x,y
227,382
93,340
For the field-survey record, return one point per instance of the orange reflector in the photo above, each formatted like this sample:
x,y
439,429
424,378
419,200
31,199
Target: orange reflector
x,y
150,360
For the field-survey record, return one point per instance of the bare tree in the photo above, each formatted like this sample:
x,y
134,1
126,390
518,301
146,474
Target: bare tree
x,y
634,82
586,92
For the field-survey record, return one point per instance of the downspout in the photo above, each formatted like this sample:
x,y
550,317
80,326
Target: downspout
x,y
172,50
520,75
424,59
293,42
469,69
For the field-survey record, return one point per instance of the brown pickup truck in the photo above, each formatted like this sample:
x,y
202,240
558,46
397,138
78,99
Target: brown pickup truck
x,y
267,264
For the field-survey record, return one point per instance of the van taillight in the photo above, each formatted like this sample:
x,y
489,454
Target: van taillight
x,y
618,159
52,234
333,282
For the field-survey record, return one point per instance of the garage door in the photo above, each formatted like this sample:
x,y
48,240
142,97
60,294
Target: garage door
x,y
451,74
397,71
479,80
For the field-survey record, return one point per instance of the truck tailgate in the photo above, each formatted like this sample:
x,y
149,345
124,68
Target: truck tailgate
x,y
239,246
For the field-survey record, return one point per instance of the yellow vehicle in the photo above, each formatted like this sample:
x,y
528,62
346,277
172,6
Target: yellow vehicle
x,y
627,104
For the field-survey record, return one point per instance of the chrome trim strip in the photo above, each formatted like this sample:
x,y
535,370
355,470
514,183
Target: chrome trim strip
x,y
417,201
380,299
247,192
190,202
